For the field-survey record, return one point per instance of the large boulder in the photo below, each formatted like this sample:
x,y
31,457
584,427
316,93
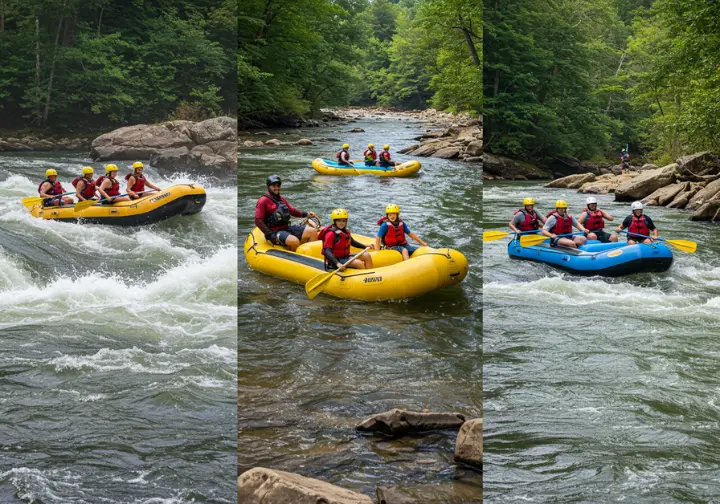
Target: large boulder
x,y
704,195
646,183
427,149
447,153
710,210
604,184
666,194
217,128
683,197
474,148
572,181
702,163
397,422
469,444
267,486
503,167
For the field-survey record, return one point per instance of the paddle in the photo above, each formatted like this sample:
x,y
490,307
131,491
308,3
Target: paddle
x,y
36,200
497,235
530,240
314,286
685,245
82,205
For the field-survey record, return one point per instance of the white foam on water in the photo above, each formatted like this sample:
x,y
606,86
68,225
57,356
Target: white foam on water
x,y
81,396
133,359
35,485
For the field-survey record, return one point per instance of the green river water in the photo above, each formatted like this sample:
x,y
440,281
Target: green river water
x,y
310,370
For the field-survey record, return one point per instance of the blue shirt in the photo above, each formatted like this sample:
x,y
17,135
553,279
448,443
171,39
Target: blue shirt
x,y
384,229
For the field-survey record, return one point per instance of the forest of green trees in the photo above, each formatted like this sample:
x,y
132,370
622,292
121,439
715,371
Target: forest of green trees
x,y
83,64
583,79
297,57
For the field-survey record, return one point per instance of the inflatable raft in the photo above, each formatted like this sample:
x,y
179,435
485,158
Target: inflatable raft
x,y
392,278
596,258
327,167
182,199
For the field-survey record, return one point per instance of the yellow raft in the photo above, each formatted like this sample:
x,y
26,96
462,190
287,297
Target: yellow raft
x,y
181,199
391,278
327,167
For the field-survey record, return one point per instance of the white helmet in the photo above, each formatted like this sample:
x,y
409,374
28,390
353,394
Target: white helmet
x,y
637,205
591,200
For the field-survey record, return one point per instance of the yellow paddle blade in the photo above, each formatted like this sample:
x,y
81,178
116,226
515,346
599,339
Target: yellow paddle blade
x,y
530,240
313,286
82,205
494,235
32,201
686,246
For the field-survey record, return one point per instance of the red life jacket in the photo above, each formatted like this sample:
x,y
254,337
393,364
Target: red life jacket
x,y
563,225
531,222
139,185
341,245
278,217
384,156
339,156
55,190
396,232
594,220
114,188
638,226
89,189
370,155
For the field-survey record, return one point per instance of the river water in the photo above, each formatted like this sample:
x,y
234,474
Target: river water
x,y
118,350
310,370
596,389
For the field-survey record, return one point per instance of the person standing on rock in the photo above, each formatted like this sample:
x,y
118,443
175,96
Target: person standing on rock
x,y
638,226
559,222
385,160
272,217
109,187
526,218
343,157
52,190
624,158
370,155
85,188
594,221
136,181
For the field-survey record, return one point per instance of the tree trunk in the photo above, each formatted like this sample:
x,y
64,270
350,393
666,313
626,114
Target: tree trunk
x,y
100,20
52,72
468,38
622,57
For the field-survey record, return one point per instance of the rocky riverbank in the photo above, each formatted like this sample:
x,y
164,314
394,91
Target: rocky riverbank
x,y
42,142
691,183
266,486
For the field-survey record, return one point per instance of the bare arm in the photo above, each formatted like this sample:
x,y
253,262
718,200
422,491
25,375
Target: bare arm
x,y
607,215
417,239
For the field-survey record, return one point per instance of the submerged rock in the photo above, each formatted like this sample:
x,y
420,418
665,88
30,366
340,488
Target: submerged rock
x,y
469,445
397,422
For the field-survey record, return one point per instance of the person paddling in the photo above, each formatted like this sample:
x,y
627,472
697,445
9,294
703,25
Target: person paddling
x,y
559,222
526,218
638,224
343,157
337,241
385,160
272,216
85,188
393,232
370,155
109,187
594,221
52,190
136,181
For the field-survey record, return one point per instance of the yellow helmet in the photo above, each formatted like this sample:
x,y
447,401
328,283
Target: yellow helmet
x,y
338,213
386,147
346,146
561,203
88,170
111,168
392,209
137,164
50,172
528,201
371,146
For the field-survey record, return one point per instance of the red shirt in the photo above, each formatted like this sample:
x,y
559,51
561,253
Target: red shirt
x,y
265,206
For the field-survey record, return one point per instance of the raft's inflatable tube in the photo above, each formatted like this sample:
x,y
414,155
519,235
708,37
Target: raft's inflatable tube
x,y
595,258
182,199
392,278
327,167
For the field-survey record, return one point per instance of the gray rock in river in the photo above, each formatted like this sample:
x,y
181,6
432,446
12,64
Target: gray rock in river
x,y
267,486
469,445
396,422
646,183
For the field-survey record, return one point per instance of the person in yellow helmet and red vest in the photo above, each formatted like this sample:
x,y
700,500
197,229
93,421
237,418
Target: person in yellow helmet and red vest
x,y
52,190
393,233
337,240
85,188
384,159
526,218
109,187
559,222
638,226
370,155
343,156
136,181
594,221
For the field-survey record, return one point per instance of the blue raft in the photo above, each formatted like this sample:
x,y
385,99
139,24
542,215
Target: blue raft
x,y
596,258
